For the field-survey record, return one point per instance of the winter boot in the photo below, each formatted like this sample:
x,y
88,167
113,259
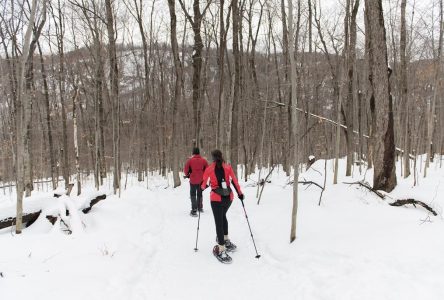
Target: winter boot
x,y
193,213
229,246
221,255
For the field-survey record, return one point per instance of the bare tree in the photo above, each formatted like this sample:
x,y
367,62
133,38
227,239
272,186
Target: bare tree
x,y
75,101
384,177
196,23
294,102
431,109
114,93
237,27
404,91
177,89
23,107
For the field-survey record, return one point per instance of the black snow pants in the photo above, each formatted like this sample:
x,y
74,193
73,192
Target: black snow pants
x,y
196,196
220,218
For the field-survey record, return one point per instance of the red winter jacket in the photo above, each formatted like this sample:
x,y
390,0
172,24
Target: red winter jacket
x,y
194,168
211,174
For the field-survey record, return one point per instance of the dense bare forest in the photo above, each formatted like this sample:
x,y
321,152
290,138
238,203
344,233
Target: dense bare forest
x,y
106,88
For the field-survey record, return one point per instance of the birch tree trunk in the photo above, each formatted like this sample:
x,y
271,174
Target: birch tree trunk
x,y
20,118
294,101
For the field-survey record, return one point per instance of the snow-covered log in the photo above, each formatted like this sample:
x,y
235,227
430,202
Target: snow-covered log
x,y
93,202
28,219
32,215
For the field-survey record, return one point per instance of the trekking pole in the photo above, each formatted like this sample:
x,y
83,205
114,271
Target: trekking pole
x,y
197,234
248,222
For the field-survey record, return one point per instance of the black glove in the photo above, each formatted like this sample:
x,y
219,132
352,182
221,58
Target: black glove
x,y
241,196
186,176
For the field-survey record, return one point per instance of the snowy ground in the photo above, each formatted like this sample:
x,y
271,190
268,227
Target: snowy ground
x,y
354,246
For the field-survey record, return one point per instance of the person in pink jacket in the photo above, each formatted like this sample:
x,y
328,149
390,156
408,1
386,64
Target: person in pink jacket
x,y
221,178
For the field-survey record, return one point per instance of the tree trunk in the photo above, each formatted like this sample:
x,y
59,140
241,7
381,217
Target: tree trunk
x,y
237,25
384,177
294,128
351,59
431,109
177,89
404,92
60,29
285,50
75,135
114,88
20,118
48,121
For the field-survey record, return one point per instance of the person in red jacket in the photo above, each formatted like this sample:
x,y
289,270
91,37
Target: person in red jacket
x,y
221,178
194,169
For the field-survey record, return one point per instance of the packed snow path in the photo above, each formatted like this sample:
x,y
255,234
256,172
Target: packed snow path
x,y
354,246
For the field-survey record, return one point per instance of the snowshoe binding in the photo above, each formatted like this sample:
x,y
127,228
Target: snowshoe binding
x,y
229,246
193,213
222,256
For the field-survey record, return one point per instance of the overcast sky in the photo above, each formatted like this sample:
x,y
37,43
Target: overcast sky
x,y
332,11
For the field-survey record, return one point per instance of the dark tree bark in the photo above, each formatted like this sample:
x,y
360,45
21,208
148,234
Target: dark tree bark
x,y
196,23
384,177
177,88
48,121
404,91
114,93
237,23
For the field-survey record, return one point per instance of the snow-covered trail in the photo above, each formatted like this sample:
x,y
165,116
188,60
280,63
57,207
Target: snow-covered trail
x,y
354,246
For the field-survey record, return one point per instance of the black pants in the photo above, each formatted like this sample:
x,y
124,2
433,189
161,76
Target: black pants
x,y
196,200
220,218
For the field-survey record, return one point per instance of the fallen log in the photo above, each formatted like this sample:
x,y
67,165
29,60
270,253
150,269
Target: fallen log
x,y
93,202
399,202
51,219
27,219
414,202
30,218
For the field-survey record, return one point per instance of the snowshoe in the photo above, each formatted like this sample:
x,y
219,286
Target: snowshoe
x,y
221,256
201,210
229,246
193,213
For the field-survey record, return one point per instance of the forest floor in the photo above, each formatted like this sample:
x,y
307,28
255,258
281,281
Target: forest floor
x,y
353,246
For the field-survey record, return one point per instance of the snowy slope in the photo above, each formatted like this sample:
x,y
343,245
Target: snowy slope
x,y
353,246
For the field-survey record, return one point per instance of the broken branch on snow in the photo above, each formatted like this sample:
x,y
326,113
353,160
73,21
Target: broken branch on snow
x,y
400,202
